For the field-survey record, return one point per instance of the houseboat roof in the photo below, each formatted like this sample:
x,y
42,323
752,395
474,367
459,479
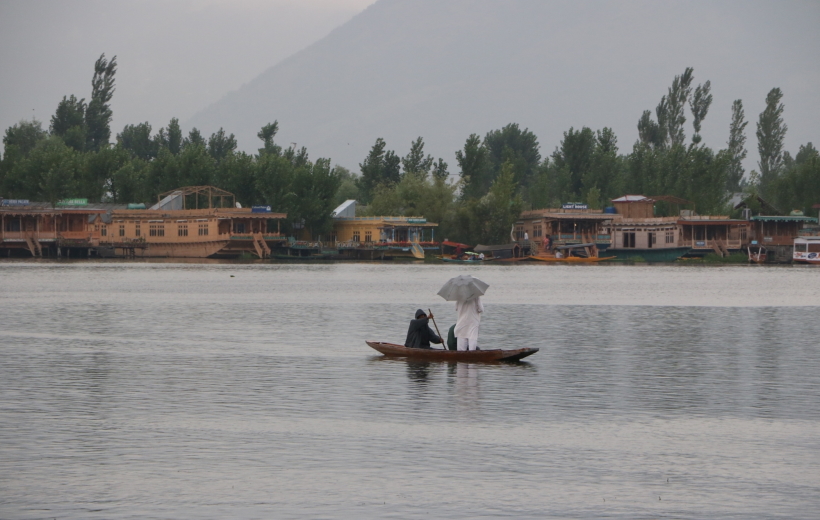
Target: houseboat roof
x,y
555,214
646,221
710,220
633,198
191,213
45,207
784,218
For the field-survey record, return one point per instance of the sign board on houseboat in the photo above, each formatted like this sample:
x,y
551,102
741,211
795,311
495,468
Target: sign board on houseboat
x,y
574,205
73,202
260,209
14,202
416,220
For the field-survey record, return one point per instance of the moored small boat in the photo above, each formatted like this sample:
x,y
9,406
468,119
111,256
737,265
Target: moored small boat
x,y
573,254
469,356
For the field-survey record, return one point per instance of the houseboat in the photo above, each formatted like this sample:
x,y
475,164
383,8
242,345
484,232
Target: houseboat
x,y
170,228
639,235
380,238
713,234
777,233
807,250
573,223
42,229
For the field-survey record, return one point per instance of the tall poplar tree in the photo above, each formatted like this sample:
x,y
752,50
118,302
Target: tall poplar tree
x,y
98,114
737,147
771,130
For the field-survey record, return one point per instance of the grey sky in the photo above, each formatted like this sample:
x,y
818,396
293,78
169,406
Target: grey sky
x,y
175,56
403,68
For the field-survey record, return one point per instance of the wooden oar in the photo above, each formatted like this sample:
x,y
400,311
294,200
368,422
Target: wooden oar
x,y
430,313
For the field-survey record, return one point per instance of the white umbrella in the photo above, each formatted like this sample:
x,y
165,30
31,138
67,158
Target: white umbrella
x,y
462,288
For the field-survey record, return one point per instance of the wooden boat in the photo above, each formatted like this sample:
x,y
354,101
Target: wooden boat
x,y
469,356
573,254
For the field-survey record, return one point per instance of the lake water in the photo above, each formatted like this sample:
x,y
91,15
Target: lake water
x,y
224,390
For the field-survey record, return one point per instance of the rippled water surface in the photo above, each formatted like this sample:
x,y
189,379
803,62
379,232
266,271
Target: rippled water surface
x,y
159,390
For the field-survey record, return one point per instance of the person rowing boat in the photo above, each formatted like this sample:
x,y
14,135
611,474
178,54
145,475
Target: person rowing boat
x,y
419,334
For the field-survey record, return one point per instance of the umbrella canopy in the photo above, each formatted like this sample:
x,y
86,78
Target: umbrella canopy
x,y
462,288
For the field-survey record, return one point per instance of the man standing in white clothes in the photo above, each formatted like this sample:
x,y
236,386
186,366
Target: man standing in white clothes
x,y
469,318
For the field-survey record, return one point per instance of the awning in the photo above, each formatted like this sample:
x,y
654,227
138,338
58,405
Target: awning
x,y
456,244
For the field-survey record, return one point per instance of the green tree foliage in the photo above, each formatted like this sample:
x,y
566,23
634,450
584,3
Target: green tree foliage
x,y
137,140
415,161
771,131
49,172
736,147
266,134
489,219
68,122
194,138
699,105
348,189
25,135
476,169
98,114
221,145
517,147
798,187
379,167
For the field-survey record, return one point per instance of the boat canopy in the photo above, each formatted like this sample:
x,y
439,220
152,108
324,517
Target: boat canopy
x,y
575,246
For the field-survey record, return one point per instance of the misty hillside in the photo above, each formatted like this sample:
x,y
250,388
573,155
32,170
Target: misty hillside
x,y
444,70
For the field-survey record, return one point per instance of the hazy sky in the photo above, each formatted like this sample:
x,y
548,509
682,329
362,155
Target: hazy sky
x,y
175,56
405,68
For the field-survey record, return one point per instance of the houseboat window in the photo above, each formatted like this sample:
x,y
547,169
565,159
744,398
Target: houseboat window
x,y
800,248
653,237
670,237
122,230
239,227
814,248
356,236
536,231
519,232
368,236
743,234
156,230
137,230
104,231
13,224
203,229
182,230
629,239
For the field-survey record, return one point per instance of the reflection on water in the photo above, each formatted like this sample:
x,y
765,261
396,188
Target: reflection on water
x,y
176,391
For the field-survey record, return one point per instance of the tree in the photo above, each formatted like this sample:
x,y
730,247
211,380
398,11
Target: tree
x,y
476,171
440,170
68,122
348,190
415,161
676,99
98,113
137,140
576,155
771,130
699,105
736,147
314,186
221,145
379,167
170,138
517,147
266,134
24,135
194,139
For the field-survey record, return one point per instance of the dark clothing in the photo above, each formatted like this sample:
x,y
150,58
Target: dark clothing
x,y
452,342
420,335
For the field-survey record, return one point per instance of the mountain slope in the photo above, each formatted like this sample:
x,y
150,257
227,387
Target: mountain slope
x,y
443,70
